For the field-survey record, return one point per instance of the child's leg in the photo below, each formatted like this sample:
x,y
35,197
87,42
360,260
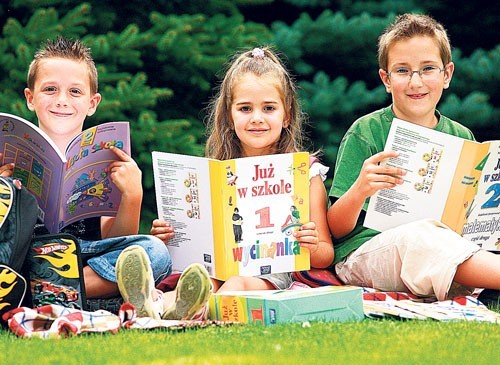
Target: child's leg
x,y
246,283
264,282
481,270
216,284
101,257
96,286
136,284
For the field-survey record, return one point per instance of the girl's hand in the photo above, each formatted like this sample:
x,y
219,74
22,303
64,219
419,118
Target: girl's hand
x,y
163,230
308,236
374,177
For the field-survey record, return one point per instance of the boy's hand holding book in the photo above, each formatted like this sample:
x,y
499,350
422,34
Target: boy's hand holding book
x,y
374,177
125,174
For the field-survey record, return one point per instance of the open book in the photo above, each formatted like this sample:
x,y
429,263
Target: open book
x,y
236,216
450,179
69,186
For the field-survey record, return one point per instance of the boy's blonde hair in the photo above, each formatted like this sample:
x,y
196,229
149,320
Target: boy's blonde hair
x,y
411,25
64,48
222,142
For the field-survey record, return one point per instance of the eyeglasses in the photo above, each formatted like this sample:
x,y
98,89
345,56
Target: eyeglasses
x,y
404,74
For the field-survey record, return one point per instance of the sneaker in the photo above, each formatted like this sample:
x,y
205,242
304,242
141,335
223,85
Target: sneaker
x,y
136,282
192,293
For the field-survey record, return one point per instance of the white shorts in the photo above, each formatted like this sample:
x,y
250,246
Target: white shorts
x,y
280,281
419,257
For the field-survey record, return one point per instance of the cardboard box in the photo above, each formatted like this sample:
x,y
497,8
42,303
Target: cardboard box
x,y
327,304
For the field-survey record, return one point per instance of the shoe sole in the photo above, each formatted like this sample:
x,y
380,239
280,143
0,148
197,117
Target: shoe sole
x,y
133,276
193,290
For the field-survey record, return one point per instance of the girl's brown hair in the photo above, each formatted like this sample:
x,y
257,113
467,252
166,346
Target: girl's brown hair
x,y
222,142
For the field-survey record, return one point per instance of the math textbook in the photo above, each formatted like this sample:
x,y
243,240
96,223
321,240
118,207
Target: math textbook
x,y
237,217
450,179
68,186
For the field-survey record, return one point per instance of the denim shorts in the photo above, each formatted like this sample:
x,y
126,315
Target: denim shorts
x,y
101,255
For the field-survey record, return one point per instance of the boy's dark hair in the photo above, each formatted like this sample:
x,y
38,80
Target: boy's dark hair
x,y
412,25
63,48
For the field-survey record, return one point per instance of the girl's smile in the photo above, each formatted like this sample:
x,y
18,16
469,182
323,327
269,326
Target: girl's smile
x,y
258,114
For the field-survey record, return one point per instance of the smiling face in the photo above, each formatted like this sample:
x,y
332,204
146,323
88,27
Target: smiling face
x,y
258,114
61,98
414,99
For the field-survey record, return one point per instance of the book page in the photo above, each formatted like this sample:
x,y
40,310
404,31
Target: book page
x,y
87,189
483,212
430,159
38,161
182,186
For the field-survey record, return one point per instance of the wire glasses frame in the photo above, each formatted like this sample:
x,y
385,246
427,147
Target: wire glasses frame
x,y
426,73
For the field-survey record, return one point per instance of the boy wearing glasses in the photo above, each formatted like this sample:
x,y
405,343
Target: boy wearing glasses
x,y
425,257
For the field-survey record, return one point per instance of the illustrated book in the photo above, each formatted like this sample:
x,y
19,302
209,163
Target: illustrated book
x,y
237,217
450,179
68,186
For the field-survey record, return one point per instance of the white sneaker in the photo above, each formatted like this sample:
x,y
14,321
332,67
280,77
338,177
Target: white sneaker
x,y
136,282
192,292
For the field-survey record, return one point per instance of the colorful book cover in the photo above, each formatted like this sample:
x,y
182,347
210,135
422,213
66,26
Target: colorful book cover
x,y
450,179
235,216
69,186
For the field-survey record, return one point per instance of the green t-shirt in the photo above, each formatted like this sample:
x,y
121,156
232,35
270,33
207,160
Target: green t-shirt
x,y
366,137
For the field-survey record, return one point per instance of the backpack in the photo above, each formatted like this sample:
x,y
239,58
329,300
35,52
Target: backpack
x,y
18,215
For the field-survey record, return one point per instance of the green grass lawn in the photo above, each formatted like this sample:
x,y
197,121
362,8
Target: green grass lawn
x,y
365,342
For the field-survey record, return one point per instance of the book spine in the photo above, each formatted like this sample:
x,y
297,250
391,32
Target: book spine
x,y
301,194
218,219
